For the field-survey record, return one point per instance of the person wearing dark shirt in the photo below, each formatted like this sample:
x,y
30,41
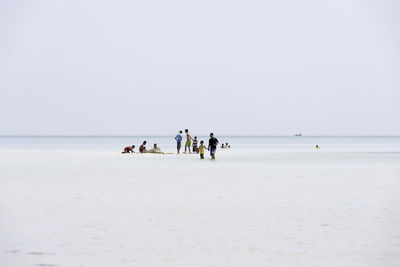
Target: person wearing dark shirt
x,y
195,147
212,145
142,148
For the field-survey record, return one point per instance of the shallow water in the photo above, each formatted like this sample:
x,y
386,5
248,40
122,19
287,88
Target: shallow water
x,y
277,143
267,201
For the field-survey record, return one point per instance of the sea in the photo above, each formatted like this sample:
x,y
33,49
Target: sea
x,y
388,144
265,201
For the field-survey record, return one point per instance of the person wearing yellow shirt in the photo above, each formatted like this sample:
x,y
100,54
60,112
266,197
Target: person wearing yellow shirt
x,y
201,149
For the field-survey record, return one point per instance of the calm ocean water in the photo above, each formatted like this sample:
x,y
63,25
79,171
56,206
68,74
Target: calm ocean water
x,y
73,201
167,143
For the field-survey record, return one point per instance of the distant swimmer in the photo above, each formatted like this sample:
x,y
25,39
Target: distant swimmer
x,y
128,149
317,147
212,145
201,149
188,140
227,146
222,146
142,148
178,139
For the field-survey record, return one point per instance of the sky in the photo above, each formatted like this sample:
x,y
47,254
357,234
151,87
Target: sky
x,y
232,67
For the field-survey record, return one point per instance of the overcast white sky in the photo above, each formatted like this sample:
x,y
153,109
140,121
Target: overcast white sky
x,y
232,67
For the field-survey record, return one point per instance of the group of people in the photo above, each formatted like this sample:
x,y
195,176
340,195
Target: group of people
x,y
226,145
142,149
212,144
196,148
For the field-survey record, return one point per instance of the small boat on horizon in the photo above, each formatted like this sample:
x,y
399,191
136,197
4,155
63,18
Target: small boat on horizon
x,y
298,134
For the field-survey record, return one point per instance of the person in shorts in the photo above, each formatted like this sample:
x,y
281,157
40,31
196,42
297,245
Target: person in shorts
x,y
188,140
212,145
178,139
201,149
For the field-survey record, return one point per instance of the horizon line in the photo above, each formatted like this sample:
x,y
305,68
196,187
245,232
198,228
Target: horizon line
x,y
172,135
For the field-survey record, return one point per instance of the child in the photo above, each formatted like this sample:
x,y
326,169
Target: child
x,y
195,148
201,149
128,149
155,149
142,148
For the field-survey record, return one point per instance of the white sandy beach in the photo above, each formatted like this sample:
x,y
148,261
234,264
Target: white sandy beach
x,y
82,203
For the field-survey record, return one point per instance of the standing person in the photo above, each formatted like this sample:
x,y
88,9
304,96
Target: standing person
x,y
201,149
195,147
188,140
212,145
178,139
